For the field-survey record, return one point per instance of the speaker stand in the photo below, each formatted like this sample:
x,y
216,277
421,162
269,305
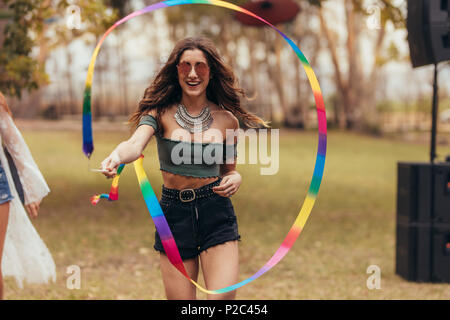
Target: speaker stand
x,y
434,112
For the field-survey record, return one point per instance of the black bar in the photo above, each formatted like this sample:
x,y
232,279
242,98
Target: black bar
x,y
229,310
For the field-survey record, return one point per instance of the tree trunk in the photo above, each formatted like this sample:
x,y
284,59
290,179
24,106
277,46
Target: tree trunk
x,y
123,75
72,108
367,94
351,117
275,75
224,40
254,76
300,105
341,86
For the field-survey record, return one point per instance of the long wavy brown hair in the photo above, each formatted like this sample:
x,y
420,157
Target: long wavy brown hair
x,y
223,88
3,104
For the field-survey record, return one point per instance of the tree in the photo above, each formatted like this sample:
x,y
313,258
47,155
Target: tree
x,y
122,8
19,71
41,24
356,91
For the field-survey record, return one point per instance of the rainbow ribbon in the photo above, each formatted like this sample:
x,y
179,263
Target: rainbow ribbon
x,y
113,192
150,198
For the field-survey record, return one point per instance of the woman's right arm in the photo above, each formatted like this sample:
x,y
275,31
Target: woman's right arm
x,y
34,185
128,151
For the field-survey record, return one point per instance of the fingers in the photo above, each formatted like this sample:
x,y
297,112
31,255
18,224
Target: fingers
x,y
225,190
33,209
109,164
221,187
111,167
110,174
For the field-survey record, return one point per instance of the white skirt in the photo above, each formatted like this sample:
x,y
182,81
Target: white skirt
x,y
25,255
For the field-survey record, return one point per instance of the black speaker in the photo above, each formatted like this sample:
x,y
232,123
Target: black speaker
x,y
441,253
414,192
428,25
414,254
442,193
423,222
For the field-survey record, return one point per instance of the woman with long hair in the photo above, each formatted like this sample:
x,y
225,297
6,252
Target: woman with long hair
x,y
192,107
23,254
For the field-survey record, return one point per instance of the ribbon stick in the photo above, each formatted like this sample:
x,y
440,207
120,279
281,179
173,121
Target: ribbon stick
x,y
113,192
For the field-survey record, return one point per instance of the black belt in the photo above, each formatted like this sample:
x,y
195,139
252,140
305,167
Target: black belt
x,y
189,194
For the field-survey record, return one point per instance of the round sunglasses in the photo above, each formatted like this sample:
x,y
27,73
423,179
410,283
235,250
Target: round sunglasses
x,y
201,68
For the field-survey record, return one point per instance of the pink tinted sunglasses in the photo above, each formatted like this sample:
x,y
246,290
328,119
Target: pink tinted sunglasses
x,y
201,68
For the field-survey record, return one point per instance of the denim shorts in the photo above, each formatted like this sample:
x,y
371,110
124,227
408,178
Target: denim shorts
x,y
198,219
5,192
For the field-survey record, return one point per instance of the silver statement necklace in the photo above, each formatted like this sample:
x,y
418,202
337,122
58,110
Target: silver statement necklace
x,y
193,124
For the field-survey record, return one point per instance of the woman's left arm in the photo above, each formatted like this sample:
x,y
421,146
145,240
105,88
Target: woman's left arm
x,y
34,186
231,179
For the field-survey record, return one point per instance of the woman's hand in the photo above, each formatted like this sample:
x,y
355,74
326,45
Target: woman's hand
x,y
110,164
229,185
127,151
33,209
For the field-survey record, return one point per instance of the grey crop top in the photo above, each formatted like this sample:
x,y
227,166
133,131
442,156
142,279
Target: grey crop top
x,y
195,159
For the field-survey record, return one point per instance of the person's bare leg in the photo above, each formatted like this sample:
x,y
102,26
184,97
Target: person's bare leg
x,y
220,267
176,285
4,215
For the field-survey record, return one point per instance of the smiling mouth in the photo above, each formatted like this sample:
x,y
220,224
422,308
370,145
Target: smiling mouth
x,y
193,84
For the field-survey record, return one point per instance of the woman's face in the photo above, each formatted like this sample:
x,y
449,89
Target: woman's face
x,y
193,73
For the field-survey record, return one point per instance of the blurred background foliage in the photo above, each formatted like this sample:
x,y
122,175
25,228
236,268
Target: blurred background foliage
x,y
43,62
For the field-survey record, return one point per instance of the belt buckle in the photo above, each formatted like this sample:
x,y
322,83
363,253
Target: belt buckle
x,y
188,200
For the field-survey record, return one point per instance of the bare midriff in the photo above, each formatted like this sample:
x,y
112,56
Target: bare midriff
x,y
177,181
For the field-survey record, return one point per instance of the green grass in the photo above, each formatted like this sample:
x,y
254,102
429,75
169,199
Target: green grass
x,y
351,227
